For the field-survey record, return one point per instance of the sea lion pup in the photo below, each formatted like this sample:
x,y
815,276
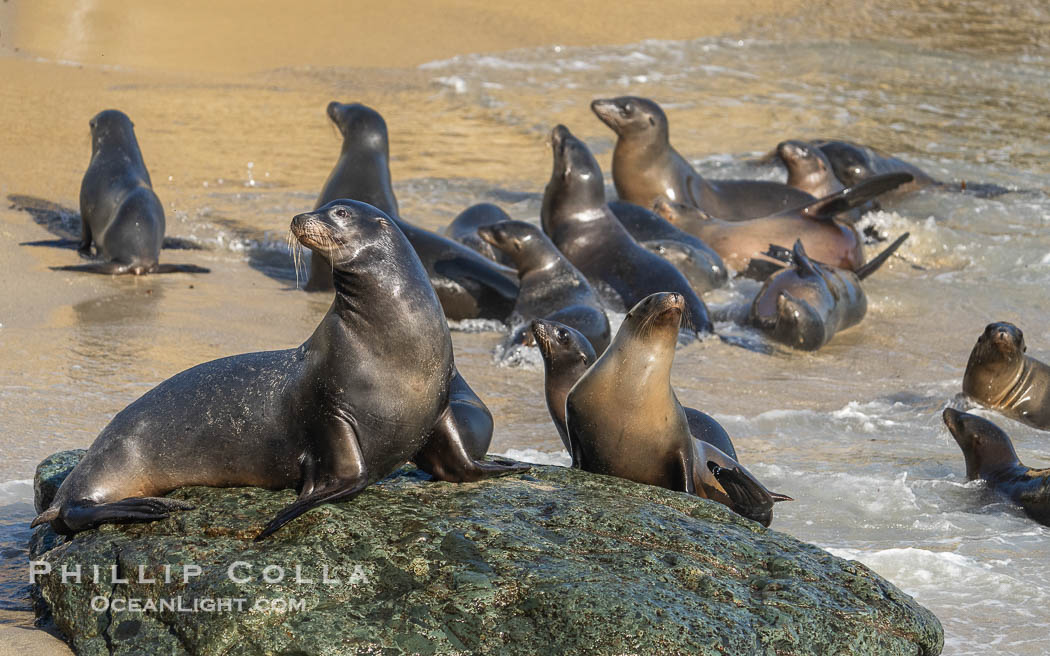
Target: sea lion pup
x,y
825,238
623,419
468,284
550,286
1000,376
990,456
567,354
697,261
119,212
646,167
363,395
579,222
464,229
806,303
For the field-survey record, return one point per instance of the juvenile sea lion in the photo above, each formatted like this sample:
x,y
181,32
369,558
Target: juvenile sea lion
x,y
567,354
579,222
368,391
805,304
1000,376
808,168
646,168
119,212
468,284
550,286
853,162
623,418
990,456
464,229
697,261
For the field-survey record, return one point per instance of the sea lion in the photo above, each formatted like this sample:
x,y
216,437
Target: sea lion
x,y
549,285
368,391
567,354
805,304
623,419
579,222
826,239
468,284
464,229
119,212
808,168
697,261
853,162
1000,376
646,168
990,456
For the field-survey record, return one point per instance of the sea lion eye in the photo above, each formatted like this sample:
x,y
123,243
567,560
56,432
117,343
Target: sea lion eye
x,y
562,336
652,121
340,212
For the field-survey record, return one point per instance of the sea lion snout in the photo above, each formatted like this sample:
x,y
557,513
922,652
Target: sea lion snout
x,y
953,420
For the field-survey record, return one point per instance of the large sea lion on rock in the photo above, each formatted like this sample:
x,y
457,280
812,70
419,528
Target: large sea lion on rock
x,y
579,222
1000,376
468,284
646,168
368,391
623,418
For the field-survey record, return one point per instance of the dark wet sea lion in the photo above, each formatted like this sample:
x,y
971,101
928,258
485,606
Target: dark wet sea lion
x,y
623,418
549,285
697,261
567,354
468,284
990,456
368,391
806,303
853,162
579,222
1000,376
119,212
646,168
464,229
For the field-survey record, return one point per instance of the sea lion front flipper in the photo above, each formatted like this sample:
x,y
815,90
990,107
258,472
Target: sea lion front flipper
x,y
825,209
459,269
867,269
54,243
760,270
84,246
104,268
750,499
802,262
446,458
180,268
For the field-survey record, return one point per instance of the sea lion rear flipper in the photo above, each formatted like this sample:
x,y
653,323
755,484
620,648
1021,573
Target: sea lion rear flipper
x,y
867,269
802,261
446,458
54,243
458,269
180,268
750,499
81,516
760,270
825,209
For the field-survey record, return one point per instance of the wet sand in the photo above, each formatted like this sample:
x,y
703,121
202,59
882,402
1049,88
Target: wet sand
x,y
203,84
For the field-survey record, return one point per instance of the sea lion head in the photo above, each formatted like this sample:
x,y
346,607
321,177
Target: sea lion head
x,y
985,446
994,363
361,126
848,161
344,230
656,318
798,323
111,126
1000,340
806,164
517,239
576,179
561,346
632,117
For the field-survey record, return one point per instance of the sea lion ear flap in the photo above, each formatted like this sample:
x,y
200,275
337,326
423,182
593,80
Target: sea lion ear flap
x,y
801,260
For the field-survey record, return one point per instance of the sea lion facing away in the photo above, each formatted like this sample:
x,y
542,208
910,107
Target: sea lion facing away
x,y
368,391
990,456
1000,376
646,168
119,212
623,418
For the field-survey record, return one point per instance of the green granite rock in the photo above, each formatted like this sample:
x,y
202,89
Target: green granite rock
x,y
553,561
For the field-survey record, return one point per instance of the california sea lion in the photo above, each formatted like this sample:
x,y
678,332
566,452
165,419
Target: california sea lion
x,y
464,229
549,285
808,168
468,284
698,262
576,218
853,162
368,391
806,303
646,168
119,212
1000,376
567,354
623,418
990,456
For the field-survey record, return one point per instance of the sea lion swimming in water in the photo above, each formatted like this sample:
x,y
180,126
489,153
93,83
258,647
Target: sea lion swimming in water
x,y
623,419
368,391
468,284
567,354
550,286
579,222
1000,376
646,168
119,212
990,456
